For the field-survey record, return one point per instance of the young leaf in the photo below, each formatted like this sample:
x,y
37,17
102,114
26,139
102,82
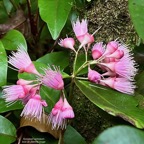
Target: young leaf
x,y
13,39
113,102
71,136
7,131
55,14
3,65
136,9
120,135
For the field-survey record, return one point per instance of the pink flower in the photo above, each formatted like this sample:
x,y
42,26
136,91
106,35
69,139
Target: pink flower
x,y
60,113
53,79
67,43
125,68
56,117
120,84
15,92
33,108
97,50
93,75
22,61
67,110
80,29
81,32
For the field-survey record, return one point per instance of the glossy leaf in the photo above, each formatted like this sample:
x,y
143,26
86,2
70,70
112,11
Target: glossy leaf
x,y
3,65
13,39
4,107
56,58
113,102
71,136
50,95
120,135
7,131
136,9
55,14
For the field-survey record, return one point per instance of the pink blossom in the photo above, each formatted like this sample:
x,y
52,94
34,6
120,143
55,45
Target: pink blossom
x,y
67,43
120,84
67,110
97,50
53,79
56,117
93,75
60,113
15,92
80,28
81,31
34,107
125,68
22,61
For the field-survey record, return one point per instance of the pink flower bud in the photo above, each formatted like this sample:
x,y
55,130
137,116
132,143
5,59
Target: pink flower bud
x,y
67,43
97,50
93,76
111,47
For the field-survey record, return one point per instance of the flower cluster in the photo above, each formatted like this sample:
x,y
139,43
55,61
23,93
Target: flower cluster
x,y
114,60
28,91
117,64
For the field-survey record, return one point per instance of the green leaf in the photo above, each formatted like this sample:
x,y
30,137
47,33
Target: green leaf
x,y
3,13
136,9
113,102
50,95
3,65
55,58
7,131
71,136
55,14
139,55
4,107
8,6
139,82
120,135
13,39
